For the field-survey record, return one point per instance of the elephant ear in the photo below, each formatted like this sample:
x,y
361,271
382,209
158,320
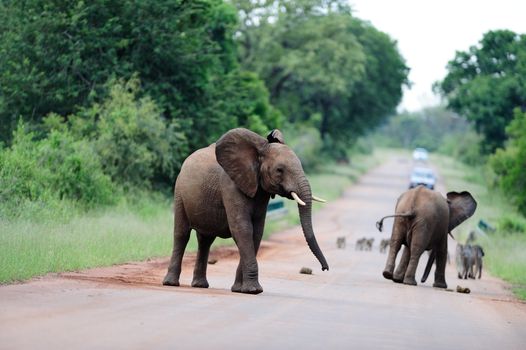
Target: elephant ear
x,y
276,136
238,152
461,207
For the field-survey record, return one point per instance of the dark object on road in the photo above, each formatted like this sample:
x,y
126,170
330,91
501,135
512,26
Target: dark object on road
x,y
306,271
212,261
223,191
464,290
423,219
364,244
341,242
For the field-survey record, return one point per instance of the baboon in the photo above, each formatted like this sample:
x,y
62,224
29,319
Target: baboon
x,y
477,253
469,260
359,244
384,244
369,244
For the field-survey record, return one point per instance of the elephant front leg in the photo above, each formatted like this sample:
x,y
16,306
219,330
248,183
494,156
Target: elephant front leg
x,y
440,272
247,275
201,263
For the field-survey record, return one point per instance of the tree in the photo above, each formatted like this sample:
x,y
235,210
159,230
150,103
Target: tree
x,y
322,66
487,82
509,163
58,56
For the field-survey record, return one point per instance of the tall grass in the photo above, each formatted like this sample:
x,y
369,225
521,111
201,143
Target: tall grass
x,y
55,243
506,248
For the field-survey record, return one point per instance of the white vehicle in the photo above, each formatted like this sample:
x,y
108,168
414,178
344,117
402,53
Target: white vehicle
x,y
420,154
422,176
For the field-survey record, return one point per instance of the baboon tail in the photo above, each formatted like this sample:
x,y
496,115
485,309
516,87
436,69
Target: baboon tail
x,y
429,264
380,224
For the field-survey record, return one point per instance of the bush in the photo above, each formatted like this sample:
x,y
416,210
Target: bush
x,y
512,225
465,147
508,163
42,173
135,144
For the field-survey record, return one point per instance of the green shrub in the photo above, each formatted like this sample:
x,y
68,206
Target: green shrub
x,y
40,174
508,163
135,144
512,224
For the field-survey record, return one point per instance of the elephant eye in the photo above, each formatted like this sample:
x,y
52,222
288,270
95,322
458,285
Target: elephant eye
x,y
279,170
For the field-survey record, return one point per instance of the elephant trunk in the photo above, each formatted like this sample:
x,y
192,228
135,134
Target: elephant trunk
x,y
305,212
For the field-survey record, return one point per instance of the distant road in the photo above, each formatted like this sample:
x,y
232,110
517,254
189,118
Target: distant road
x,y
349,307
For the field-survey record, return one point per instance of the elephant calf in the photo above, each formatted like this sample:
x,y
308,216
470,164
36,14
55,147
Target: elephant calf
x,y
223,191
423,219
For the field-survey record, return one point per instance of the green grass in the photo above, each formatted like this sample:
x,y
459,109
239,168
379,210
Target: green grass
x,y
505,249
36,247
64,238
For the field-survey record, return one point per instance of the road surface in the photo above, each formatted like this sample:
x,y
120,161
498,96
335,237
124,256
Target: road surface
x,y
350,306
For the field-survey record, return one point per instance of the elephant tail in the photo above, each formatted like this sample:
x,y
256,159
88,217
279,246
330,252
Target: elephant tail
x,y
380,224
430,262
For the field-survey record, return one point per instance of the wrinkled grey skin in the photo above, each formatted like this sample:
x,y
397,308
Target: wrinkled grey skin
x,y
423,220
223,191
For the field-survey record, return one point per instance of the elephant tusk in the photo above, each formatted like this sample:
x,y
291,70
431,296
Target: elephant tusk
x,y
297,198
318,199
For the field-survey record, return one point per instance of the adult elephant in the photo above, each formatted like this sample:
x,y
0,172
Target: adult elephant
x,y
223,191
423,219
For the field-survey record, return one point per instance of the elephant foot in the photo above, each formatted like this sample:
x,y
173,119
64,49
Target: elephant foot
x,y
171,280
398,279
247,288
440,284
410,281
236,287
388,274
200,283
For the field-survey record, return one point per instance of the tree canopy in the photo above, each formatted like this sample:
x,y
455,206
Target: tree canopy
x,y
130,88
487,82
322,66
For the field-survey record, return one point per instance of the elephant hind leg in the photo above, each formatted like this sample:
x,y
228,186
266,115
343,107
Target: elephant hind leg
x,y
399,229
181,235
399,274
204,243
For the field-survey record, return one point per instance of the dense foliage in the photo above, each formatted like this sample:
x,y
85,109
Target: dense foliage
x,y
322,66
510,163
437,130
113,95
487,82
487,85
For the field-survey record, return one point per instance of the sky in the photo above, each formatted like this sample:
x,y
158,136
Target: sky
x,y
429,32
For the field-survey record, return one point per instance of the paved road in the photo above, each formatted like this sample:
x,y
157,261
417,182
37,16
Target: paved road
x,y
350,306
